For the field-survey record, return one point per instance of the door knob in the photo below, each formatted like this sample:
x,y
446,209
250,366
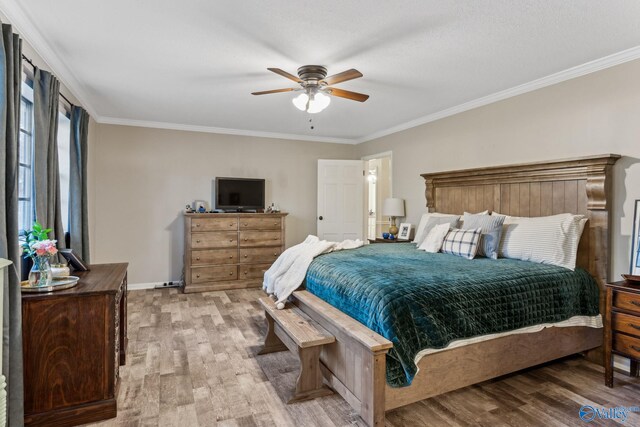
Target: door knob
x,y
320,217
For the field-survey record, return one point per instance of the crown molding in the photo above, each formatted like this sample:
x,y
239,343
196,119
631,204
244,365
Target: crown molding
x,y
30,32
224,131
552,79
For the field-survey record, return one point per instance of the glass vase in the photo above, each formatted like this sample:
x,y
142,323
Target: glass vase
x,y
40,274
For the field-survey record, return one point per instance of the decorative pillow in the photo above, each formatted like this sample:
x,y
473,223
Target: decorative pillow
x,y
422,230
461,221
485,212
462,243
434,239
491,232
547,239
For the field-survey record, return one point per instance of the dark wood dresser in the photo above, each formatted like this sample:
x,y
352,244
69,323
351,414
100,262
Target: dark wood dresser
x,y
74,342
622,326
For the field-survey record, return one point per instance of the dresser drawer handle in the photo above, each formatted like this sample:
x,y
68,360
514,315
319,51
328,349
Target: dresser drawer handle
x,y
275,238
230,256
197,258
231,225
636,348
275,254
634,326
246,256
231,240
275,223
197,225
245,239
197,276
231,273
198,241
245,272
245,224
637,303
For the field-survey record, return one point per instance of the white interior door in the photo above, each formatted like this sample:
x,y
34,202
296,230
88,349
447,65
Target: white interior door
x,y
340,199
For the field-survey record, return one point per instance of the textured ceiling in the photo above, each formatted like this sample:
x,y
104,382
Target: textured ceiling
x,y
194,63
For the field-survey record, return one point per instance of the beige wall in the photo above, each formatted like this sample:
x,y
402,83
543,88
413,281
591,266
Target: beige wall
x,y
142,178
595,114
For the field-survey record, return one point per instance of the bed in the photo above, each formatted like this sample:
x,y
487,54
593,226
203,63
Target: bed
x,y
355,365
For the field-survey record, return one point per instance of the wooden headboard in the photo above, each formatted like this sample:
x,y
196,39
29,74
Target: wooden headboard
x,y
578,186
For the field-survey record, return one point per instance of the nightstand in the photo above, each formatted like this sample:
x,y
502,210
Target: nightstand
x,y
381,240
622,326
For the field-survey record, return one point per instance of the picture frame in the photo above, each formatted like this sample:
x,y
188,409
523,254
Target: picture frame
x,y
404,232
635,241
74,260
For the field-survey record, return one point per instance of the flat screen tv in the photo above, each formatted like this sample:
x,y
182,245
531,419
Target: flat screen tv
x,y
239,194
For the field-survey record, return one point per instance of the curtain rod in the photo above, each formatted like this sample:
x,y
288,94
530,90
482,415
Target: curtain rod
x,y
34,68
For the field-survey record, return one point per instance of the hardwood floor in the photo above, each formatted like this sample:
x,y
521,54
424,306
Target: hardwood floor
x,y
191,362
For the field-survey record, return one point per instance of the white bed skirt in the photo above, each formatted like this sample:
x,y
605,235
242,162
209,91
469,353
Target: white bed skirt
x,y
588,321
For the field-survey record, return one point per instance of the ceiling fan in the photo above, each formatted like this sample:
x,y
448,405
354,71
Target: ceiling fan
x,y
316,85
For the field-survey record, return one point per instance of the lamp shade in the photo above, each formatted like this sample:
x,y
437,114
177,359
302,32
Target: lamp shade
x,y
393,207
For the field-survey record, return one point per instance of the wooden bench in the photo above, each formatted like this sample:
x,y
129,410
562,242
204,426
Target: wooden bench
x,y
291,329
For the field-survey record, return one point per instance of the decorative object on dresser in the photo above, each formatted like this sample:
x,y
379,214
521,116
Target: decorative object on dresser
x,y
635,247
230,250
622,327
393,208
74,342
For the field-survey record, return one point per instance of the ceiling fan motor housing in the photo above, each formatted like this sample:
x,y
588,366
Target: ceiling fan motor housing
x,y
312,74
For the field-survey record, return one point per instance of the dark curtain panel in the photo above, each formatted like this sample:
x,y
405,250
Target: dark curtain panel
x,y
46,181
78,216
10,70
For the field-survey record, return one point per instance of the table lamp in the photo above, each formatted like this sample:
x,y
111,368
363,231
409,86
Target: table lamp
x,y
393,208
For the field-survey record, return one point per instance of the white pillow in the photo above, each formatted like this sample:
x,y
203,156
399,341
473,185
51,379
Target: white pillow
x,y
461,221
433,241
485,212
421,231
547,240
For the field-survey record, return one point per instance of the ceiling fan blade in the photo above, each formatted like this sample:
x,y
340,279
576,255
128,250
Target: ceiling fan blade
x,y
354,96
285,74
266,92
343,77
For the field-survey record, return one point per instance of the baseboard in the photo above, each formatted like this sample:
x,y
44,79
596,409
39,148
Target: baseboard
x,y
143,286
621,363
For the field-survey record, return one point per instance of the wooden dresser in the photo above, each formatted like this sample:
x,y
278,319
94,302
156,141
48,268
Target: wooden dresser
x,y
622,326
74,342
230,250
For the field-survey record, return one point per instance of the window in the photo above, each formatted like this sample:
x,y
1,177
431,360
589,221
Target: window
x,y
25,193
64,146
25,172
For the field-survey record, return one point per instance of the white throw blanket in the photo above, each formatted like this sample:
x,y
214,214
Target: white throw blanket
x,y
290,269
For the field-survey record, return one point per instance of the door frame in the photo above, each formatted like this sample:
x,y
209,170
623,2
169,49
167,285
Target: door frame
x,y
365,199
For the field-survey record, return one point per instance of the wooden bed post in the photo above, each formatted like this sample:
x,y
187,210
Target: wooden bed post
x,y
374,378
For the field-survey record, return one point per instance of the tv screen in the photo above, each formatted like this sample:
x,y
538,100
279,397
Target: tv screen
x,y
239,193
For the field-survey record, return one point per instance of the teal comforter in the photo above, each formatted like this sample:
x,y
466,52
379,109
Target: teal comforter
x,y
420,300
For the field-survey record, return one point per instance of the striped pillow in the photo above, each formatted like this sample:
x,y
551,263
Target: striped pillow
x,y
462,243
491,226
547,239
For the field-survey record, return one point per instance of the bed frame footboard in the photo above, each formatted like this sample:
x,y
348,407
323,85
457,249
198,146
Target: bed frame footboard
x,y
354,365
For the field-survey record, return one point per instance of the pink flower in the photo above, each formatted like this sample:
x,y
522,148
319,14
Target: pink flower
x,y
52,250
41,252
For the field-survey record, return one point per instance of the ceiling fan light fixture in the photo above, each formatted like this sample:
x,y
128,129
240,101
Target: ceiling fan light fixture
x,y
300,101
318,103
311,103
